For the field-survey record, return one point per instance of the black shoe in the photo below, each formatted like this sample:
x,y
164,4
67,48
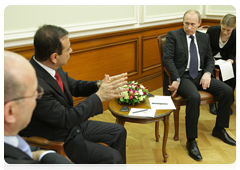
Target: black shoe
x,y
193,150
222,134
213,108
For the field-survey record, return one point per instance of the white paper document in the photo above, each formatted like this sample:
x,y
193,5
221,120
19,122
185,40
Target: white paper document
x,y
161,103
226,69
142,112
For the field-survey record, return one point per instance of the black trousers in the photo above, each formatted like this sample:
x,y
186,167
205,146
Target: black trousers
x,y
95,131
188,89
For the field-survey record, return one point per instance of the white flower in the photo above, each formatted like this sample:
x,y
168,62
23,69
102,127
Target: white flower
x,y
141,98
126,95
140,92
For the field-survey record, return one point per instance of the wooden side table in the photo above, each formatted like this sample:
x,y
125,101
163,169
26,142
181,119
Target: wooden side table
x,y
122,117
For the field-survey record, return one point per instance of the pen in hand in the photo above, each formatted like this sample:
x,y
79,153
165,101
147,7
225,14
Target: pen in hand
x,y
140,111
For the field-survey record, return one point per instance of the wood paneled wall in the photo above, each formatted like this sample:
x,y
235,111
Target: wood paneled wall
x,y
134,51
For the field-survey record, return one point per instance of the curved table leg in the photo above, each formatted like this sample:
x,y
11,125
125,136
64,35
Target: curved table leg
x,y
157,131
120,121
165,136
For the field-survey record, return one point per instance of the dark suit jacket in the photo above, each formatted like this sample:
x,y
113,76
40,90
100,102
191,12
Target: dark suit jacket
x,y
229,50
14,155
175,55
55,117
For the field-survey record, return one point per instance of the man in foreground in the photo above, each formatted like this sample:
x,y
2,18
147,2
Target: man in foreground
x,y
188,58
55,118
20,93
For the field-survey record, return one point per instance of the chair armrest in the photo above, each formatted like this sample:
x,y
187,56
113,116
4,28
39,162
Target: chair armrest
x,y
216,73
169,78
46,144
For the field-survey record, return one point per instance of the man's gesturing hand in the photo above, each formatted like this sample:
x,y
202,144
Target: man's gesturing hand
x,y
109,88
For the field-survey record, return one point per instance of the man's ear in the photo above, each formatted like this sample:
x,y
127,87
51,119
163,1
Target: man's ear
x,y
200,23
10,112
53,58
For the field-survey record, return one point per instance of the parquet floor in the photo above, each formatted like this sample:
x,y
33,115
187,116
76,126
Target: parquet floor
x,y
143,149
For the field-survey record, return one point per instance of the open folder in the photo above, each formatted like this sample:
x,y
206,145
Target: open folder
x,y
226,69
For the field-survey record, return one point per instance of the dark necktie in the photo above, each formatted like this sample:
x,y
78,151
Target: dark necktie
x,y
193,68
59,80
22,145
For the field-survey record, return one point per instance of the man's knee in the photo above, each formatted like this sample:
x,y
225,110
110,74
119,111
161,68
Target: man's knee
x,y
121,129
195,97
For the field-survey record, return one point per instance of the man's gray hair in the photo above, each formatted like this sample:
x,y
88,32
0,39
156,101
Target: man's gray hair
x,y
193,11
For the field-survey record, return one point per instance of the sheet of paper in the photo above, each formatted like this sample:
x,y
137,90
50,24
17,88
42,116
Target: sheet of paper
x,y
142,112
161,103
226,69
219,62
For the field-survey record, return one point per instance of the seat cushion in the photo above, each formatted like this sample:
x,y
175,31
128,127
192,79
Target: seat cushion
x,y
204,96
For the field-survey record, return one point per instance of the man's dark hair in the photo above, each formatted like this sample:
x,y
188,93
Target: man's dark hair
x,y
47,41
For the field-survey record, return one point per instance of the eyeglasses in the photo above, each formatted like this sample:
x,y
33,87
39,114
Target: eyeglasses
x,y
37,95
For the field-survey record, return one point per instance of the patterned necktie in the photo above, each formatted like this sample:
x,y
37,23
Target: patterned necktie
x,y
193,69
59,80
23,146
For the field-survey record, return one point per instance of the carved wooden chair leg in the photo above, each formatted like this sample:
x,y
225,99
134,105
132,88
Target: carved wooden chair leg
x,y
176,122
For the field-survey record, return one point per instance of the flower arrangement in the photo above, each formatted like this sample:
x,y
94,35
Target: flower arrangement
x,y
136,93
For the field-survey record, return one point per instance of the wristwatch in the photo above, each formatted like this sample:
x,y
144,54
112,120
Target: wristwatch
x,y
99,83
178,79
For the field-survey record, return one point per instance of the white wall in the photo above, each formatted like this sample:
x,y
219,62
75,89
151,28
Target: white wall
x,y
21,21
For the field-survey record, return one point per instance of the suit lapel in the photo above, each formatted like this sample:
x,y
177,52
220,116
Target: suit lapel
x,y
200,46
184,42
14,152
65,85
49,79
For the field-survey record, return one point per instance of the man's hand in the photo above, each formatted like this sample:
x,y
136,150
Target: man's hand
x,y
111,79
37,154
205,80
109,88
174,87
230,60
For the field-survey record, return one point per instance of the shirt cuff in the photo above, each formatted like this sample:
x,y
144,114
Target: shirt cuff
x,y
44,153
208,72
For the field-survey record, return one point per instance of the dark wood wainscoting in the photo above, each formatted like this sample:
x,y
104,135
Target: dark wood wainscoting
x,y
134,51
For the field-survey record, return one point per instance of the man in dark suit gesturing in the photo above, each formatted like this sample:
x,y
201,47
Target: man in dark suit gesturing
x,y
20,93
55,117
188,58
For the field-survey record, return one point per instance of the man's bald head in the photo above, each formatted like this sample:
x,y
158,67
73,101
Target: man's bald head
x,y
16,70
